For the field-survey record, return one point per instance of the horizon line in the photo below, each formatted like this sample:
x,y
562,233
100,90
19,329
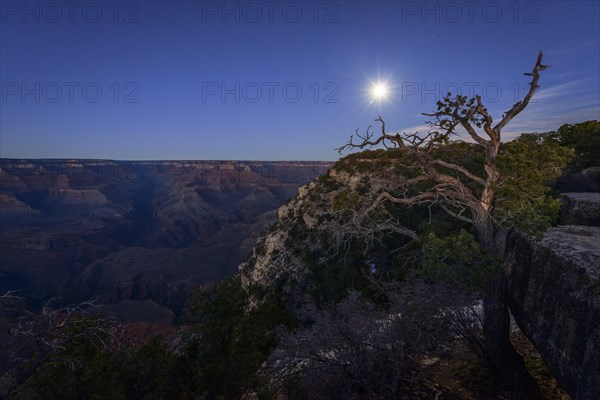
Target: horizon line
x,y
154,160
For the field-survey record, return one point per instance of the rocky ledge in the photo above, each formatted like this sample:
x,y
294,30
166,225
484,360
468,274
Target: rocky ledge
x,y
554,294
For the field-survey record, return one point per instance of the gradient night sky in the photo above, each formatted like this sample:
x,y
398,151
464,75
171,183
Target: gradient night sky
x,y
169,57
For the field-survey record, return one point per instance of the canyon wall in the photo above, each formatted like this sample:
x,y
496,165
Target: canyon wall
x,y
134,230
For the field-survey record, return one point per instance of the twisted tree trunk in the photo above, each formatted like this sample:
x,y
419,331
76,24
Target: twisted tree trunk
x,y
502,358
506,362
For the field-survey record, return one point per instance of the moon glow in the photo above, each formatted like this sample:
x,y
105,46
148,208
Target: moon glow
x,y
379,91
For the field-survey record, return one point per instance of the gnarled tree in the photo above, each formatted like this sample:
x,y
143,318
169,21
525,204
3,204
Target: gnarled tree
x,y
464,194
449,181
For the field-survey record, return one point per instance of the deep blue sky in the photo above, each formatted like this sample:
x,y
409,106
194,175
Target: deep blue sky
x,y
170,57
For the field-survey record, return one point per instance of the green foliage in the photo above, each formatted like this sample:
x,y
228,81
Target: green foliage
x,y
330,282
346,200
368,161
325,184
86,368
584,138
260,247
529,165
297,232
232,339
461,104
467,155
456,258
228,341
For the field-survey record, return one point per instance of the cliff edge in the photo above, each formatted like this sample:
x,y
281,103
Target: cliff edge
x,y
554,291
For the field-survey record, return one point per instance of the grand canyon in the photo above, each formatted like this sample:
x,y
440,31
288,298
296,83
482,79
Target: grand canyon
x,y
135,236
299,200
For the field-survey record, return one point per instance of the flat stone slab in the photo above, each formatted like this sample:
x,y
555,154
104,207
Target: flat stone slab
x,y
580,244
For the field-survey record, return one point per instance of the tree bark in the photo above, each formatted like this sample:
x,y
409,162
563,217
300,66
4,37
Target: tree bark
x,y
484,230
503,357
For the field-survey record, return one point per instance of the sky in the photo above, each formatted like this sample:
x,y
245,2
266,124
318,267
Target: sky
x,y
276,80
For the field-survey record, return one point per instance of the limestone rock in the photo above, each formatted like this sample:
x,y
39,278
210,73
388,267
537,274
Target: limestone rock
x,y
554,295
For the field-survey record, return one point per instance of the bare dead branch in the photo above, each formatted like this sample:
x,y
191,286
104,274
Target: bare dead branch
x,y
460,169
9,295
520,105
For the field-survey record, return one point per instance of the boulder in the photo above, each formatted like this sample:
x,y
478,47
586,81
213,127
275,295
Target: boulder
x,y
580,209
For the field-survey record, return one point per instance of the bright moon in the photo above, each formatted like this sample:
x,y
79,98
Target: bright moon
x,y
379,91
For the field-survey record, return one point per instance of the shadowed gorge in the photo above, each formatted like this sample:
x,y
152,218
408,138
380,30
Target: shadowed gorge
x,y
116,231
